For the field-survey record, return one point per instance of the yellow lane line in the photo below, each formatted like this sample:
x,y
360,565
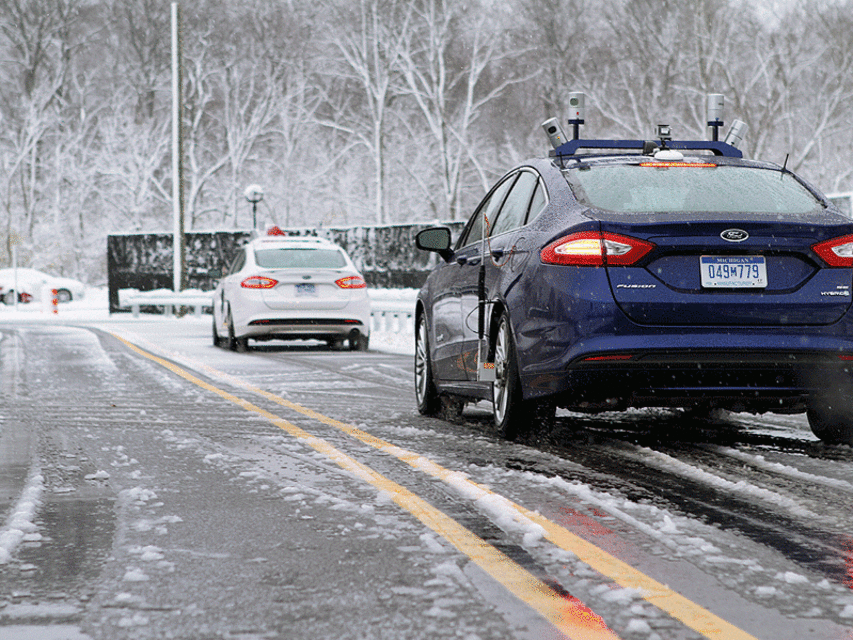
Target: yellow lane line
x,y
679,607
570,616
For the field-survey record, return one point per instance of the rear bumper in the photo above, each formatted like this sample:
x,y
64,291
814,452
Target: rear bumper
x,y
746,380
303,328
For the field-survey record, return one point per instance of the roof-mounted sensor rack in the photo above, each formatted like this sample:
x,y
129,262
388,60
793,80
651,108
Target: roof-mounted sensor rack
x,y
565,149
572,147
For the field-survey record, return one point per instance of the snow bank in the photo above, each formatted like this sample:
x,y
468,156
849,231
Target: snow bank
x,y
21,521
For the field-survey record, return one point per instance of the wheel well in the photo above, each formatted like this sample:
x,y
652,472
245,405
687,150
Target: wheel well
x,y
498,309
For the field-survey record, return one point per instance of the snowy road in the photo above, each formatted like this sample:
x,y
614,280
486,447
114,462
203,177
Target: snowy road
x,y
154,486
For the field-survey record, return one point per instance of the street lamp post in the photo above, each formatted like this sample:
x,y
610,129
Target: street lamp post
x,y
254,194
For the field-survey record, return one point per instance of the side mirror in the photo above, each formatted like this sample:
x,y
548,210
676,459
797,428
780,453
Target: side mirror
x,y
435,239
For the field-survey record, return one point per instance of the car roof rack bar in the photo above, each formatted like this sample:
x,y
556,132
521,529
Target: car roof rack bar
x,y
572,147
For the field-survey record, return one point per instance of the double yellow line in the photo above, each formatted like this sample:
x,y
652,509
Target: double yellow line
x,y
568,615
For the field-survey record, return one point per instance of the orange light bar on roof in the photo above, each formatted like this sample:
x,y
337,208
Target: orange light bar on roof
x,y
691,165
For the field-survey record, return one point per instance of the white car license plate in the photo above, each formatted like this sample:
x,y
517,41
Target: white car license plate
x,y
306,290
733,272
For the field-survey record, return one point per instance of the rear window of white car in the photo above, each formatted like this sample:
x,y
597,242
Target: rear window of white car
x,y
684,187
299,258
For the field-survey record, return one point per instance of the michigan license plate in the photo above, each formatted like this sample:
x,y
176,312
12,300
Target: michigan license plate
x,y
733,272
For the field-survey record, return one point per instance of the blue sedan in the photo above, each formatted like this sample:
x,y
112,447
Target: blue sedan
x,y
642,274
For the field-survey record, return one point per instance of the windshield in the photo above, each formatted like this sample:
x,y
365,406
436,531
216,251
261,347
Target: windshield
x,y
292,258
661,188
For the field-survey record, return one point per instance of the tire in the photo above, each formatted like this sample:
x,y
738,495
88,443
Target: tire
x,y
63,295
217,339
425,391
832,425
513,416
9,297
240,345
360,343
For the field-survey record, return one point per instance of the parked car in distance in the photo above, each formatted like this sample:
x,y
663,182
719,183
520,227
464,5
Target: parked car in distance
x,y
291,288
32,284
619,274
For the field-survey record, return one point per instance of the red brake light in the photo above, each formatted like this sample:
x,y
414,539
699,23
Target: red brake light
x,y
837,252
605,358
591,248
258,282
351,282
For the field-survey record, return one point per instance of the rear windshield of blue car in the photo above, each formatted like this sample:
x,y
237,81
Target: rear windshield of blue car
x,y
293,258
696,188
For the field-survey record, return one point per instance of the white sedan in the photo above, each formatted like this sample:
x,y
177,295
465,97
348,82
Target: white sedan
x,y
31,284
288,288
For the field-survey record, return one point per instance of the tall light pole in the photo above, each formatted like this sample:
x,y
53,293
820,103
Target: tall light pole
x,y
178,240
254,194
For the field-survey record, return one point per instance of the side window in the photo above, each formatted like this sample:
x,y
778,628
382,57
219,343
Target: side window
x,y
238,263
474,230
539,202
514,211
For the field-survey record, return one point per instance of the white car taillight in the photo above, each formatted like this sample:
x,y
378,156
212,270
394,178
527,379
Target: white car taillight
x,y
258,282
351,282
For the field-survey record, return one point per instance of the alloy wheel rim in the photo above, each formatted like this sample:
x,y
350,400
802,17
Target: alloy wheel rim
x,y
499,386
420,362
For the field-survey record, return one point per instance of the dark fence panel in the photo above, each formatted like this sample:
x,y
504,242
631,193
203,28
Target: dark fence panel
x,y
386,255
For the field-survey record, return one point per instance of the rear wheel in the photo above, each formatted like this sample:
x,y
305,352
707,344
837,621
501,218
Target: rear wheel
x,y
359,342
217,339
513,415
240,345
63,295
425,391
832,424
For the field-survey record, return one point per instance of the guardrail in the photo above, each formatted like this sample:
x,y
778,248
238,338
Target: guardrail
x,y
194,298
392,316
390,311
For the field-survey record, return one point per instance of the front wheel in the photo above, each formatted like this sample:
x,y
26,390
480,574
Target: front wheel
x,y
425,391
832,424
513,416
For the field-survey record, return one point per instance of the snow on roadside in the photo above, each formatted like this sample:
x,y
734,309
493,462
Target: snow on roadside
x,y
742,487
390,335
761,462
20,525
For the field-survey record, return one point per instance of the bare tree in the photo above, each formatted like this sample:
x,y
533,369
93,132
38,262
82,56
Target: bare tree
x,y
445,64
370,50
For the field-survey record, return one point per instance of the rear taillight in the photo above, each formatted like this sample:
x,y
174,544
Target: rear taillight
x,y
351,282
591,248
258,282
837,252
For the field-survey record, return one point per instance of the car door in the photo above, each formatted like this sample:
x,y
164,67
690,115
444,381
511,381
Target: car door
x,y
230,283
469,256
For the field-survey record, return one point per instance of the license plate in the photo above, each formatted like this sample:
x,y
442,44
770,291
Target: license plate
x,y
733,272
306,290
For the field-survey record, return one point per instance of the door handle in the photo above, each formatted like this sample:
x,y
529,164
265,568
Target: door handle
x,y
473,260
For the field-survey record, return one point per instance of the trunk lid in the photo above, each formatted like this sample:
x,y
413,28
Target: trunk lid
x,y
743,271
315,290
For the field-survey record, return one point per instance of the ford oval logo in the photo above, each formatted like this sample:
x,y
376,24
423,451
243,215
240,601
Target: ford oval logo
x,y
734,235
